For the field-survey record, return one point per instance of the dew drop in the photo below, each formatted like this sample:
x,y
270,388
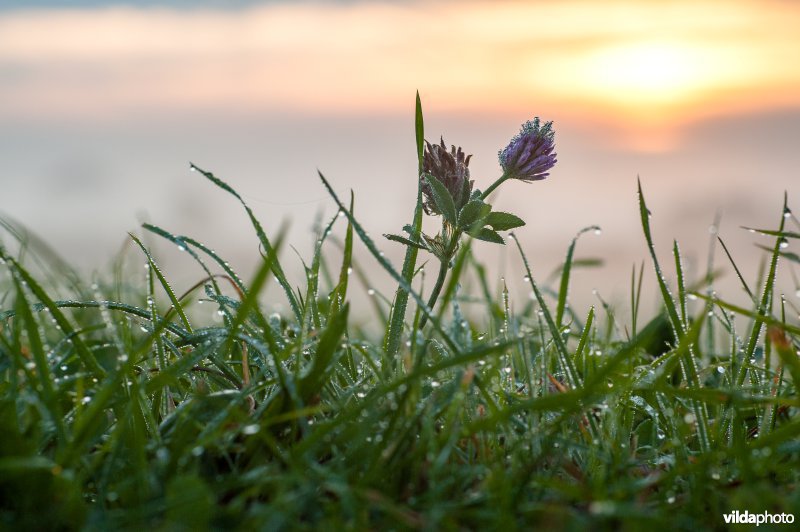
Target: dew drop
x,y
720,369
162,454
783,243
371,292
598,231
251,429
435,384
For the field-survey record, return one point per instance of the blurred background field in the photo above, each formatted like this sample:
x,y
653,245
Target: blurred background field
x,y
103,105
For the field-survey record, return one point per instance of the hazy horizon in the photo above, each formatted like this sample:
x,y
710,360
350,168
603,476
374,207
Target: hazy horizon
x,y
103,106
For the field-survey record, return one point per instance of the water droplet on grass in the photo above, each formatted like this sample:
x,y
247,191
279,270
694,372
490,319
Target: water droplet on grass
x,y
371,292
251,429
783,243
720,369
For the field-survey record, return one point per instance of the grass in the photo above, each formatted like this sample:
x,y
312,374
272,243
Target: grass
x,y
126,406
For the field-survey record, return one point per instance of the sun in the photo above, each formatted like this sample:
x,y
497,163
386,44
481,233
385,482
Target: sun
x,y
647,72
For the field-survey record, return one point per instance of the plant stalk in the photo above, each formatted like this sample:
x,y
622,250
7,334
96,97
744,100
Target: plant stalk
x,y
500,181
437,289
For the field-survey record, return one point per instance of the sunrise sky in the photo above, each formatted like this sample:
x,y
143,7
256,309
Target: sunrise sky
x,y
102,105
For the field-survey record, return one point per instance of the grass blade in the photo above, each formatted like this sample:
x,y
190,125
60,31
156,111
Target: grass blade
x,y
394,331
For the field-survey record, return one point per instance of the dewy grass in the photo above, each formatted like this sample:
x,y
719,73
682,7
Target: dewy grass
x,y
124,407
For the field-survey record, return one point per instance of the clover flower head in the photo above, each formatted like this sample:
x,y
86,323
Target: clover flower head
x,y
529,155
451,168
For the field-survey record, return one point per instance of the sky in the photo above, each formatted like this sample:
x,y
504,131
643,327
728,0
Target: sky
x,y
103,105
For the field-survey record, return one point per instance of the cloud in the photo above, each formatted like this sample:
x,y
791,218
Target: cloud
x,y
646,61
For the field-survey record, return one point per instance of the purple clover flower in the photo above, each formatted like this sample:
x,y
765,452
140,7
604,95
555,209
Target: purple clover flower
x,y
529,155
451,169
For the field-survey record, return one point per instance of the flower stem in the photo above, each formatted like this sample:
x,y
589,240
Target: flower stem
x,y
494,185
437,288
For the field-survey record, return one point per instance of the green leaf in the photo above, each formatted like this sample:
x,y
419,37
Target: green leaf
x,y
563,289
419,130
443,199
176,304
503,221
488,235
472,212
768,232
277,270
394,330
788,255
404,240
329,341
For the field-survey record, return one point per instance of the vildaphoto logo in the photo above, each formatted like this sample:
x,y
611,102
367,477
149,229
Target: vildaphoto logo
x,y
741,518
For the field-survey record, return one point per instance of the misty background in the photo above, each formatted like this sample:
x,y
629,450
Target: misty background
x,y
100,116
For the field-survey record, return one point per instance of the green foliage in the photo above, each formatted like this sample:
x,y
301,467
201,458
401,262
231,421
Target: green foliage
x,y
126,406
